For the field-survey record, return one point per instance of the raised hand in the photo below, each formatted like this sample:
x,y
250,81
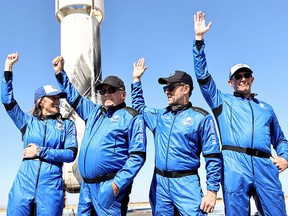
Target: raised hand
x,y
10,61
200,27
139,69
58,64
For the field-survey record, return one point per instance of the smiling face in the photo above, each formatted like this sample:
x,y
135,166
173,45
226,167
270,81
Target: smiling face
x,y
50,105
112,97
242,83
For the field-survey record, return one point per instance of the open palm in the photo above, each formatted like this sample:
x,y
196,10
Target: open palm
x,y
139,68
200,26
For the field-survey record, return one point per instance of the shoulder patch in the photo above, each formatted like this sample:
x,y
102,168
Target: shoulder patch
x,y
132,111
200,110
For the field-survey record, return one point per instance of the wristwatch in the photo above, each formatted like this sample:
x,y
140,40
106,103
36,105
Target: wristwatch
x,y
38,150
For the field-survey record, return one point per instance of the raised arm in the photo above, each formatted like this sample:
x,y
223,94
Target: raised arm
x,y
138,102
7,96
83,106
210,92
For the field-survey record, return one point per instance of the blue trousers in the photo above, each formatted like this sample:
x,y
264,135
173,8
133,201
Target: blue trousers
x,y
100,196
248,176
184,194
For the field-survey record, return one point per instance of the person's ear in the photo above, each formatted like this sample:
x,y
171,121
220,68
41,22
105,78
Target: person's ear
x,y
230,83
40,103
124,95
186,89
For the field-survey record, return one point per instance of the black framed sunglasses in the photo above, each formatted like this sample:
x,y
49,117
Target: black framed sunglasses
x,y
109,90
171,87
240,76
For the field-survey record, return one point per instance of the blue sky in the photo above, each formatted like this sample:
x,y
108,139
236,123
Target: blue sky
x,y
252,32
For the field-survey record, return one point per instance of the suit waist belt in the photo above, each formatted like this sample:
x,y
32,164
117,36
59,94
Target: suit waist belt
x,y
34,158
248,151
99,179
178,174
42,160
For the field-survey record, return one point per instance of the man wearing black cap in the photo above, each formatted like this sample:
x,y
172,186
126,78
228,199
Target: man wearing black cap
x,y
248,128
113,148
181,133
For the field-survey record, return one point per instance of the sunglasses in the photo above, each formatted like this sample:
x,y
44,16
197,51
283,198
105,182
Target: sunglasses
x,y
171,87
109,90
240,76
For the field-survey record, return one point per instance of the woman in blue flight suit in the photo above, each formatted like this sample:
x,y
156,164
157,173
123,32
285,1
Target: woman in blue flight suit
x,y
48,139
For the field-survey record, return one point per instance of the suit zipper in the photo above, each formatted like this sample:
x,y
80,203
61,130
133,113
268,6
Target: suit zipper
x,y
90,143
252,138
39,168
169,145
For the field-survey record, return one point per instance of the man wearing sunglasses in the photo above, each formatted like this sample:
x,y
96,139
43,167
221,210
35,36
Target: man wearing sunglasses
x,y
248,128
181,133
113,147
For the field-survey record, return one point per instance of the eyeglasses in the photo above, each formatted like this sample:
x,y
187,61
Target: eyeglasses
x,y
171,87
240,76
109,90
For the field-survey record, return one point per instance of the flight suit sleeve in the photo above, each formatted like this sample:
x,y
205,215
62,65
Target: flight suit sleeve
x,y
19,117
83,106
138,103
212,95
211,153
137,153
69,152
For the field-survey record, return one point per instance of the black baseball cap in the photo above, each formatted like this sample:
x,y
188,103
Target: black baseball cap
x,y
177,76
112,81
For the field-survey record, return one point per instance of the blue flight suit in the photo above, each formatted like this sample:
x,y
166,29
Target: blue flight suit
x,y
180,137
113,149
251,126
39,180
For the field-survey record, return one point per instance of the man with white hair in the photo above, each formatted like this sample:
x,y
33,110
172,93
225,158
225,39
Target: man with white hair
x,y
113,147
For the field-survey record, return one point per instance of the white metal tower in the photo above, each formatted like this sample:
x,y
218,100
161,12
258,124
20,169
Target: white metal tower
x,y
80,46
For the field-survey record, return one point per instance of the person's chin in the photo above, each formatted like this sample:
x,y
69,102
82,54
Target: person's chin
x,y
170,102
56,112
243,90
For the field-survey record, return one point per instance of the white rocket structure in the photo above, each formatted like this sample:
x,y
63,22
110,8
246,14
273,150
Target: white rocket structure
x,y
80,46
